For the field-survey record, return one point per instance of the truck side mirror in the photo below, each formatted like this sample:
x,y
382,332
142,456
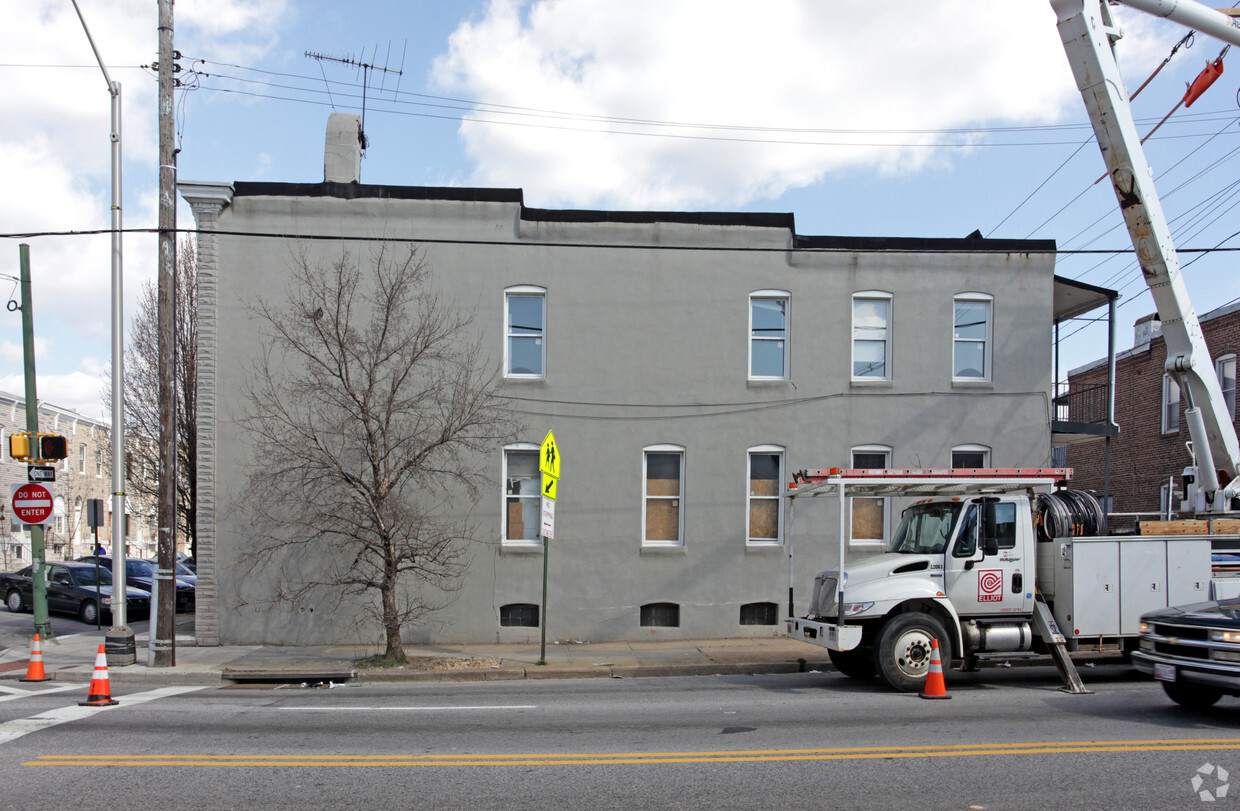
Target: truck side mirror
x,y
989,530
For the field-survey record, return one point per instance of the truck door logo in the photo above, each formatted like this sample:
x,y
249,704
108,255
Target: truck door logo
x,y
990,585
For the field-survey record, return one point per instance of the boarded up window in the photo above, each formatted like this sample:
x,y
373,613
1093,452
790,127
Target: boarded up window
x,y
867,519
663,484
764,471
523,491
868,514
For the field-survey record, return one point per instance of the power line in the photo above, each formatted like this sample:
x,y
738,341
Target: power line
x,y
595,245
472,110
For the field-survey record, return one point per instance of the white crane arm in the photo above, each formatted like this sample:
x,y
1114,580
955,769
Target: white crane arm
x,y
1088,35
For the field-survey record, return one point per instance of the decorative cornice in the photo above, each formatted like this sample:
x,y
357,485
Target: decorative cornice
x,y
206,197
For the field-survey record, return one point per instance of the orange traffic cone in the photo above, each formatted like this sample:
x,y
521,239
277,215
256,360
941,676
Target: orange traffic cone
x,y
100,692
934,686
34,671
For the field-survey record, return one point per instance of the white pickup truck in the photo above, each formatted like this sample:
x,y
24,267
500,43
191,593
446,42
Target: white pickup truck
x,y
989,568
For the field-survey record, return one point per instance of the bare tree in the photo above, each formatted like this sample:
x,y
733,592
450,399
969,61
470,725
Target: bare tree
x,y
141,393
370,410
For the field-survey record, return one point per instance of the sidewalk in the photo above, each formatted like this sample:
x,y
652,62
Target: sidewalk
x,y
72,658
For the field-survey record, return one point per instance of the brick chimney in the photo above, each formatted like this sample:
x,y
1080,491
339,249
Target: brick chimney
x,y
1145,330
342,157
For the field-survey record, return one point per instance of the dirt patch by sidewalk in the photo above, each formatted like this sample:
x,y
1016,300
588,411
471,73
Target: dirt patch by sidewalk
x,y
423,664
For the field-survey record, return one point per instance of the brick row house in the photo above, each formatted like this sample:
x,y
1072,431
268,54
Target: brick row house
x,y
85,474
1152,448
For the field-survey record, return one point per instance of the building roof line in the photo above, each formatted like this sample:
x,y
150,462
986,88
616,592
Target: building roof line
x,y
974,243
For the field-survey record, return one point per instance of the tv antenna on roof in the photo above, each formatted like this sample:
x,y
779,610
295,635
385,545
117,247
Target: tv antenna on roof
x,y
366,67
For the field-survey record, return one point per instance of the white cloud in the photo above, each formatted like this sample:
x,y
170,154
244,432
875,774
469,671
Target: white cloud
x,y
790,64
78,391
55,152
238,31
15,354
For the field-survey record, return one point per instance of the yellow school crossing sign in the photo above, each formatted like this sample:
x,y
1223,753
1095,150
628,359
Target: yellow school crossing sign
x,y
549,457
549,464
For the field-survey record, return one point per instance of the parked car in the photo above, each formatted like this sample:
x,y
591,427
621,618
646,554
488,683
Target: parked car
x,y
1193,650
71,590
140,574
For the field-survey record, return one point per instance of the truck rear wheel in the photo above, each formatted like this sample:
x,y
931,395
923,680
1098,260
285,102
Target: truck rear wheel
x,y
903,650
857,663
1192,696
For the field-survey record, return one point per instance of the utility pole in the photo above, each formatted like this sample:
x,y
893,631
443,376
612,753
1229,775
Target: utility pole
x,y
42,625
119,640
162,647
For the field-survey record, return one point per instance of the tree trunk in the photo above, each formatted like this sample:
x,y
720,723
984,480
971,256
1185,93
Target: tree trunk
x,y
391,622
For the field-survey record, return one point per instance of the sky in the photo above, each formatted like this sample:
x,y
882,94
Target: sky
x,y
895,119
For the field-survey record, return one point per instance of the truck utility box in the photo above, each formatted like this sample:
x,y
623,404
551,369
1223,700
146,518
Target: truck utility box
x,y
1100,587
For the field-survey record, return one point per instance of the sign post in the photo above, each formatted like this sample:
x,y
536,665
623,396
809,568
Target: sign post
x,y
549,465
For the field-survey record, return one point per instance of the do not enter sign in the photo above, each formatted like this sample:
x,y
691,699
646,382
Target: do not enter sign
x,y
32,503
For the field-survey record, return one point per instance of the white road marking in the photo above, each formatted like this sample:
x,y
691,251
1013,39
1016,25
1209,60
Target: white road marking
x,y
21,693
12,730
414,709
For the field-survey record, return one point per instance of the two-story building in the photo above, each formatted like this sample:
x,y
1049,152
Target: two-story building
x,y
688,362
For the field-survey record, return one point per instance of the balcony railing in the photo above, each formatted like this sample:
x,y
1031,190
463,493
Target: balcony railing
x,y
1082,404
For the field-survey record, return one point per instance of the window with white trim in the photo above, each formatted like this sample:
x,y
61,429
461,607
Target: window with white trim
x,y
1170,405
971,336
1225,368
525,332
970,456
663,476
871,336
82,458
99,463
766,471
869,517
768,335
522,495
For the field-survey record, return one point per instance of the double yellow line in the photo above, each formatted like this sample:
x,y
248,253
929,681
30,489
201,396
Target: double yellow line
x,y
633,758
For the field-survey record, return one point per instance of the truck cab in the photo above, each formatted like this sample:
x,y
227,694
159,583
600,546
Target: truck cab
x,y
958,570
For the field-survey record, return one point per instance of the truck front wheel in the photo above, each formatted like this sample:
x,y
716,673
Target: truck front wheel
x,y
903,650
857,663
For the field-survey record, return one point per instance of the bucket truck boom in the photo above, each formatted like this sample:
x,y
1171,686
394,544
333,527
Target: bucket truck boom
x,y
1089,33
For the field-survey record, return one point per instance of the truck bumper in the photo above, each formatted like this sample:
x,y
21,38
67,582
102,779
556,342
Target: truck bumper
x,y
1165,668
824,634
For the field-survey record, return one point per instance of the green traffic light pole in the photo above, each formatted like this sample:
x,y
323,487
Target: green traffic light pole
x,y
42,626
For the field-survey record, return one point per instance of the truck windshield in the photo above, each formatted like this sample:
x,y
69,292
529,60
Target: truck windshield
x,y
925,529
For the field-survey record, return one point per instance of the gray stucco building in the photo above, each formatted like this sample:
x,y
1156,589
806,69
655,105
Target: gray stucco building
x,y
688,364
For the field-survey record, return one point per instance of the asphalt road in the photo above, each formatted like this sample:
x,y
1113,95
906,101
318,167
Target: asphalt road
x,y
1006,739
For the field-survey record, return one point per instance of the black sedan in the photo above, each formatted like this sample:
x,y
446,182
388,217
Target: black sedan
x,y
71,589
140,574
1194,650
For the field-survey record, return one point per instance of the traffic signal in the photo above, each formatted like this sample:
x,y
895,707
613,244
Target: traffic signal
x,y
19,446
53,448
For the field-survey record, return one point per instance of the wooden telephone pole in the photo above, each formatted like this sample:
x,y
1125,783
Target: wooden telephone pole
x,y
163,635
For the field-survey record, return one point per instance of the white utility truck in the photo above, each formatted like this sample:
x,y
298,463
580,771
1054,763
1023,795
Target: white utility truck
x,y
990,568
965,566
